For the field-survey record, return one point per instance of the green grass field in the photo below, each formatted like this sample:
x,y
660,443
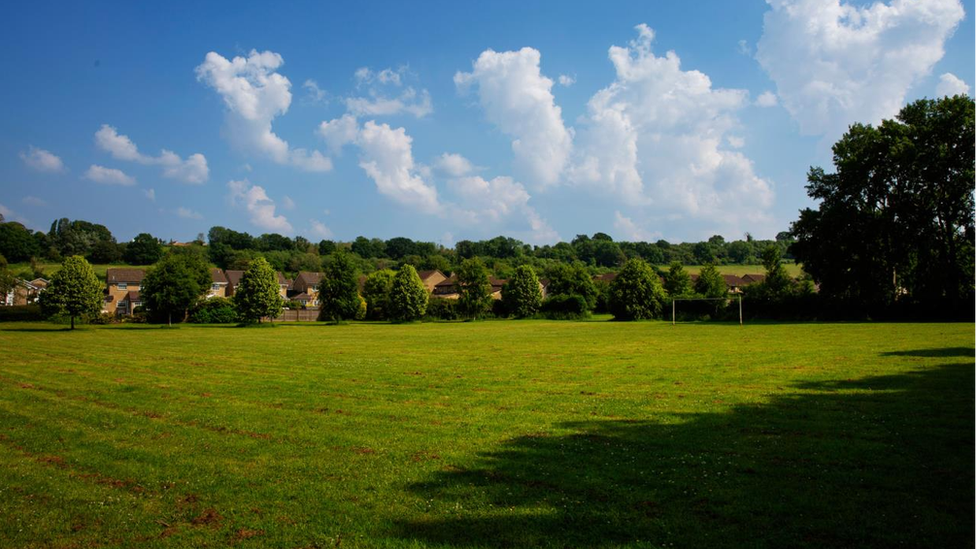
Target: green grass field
x,y
488,434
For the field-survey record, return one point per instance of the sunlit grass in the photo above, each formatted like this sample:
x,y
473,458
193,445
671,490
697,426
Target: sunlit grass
x,y
487,434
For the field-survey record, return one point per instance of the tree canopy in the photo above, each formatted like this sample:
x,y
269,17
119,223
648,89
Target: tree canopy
x,y
522,295
636,293
174,285
474,288
408,295
339,291
74,290
258,294
895,220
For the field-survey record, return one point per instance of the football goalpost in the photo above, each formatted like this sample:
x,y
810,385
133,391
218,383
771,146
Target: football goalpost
x,y
674,307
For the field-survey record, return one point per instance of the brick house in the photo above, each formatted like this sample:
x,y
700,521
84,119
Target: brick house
x,y
122,287
306,283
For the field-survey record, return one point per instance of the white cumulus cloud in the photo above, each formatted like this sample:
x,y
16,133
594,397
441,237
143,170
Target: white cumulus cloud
x,y
517,98
260,207
658,136
255,94
42,160
339,132
319,230
566,81
950,85
767,99
187,213
452,165
835,63
631,230
387,158
386,94
108,176
150,194
192,170
34,201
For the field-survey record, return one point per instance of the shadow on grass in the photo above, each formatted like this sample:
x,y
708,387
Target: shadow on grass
x,y
832,466
948,352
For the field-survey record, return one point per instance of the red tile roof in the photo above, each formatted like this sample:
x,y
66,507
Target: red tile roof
x,y
114,276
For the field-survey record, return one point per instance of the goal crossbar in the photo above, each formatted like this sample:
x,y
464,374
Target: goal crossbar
x,y
726,299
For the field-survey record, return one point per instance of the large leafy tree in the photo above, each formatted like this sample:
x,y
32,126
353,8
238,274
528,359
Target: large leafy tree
x,y
408,295
257,295
522,294
17,243
144,249
710,282
376,292
174,284
895,220
677,282
636,293
339,291
572,279
474,287
74,290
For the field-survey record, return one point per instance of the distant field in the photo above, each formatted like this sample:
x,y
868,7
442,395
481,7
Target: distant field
x,y
50,268
489,434
791,268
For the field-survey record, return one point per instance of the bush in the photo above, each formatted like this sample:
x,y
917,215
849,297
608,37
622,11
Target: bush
x,y
104,318
21,313
565,307
439,308
216,310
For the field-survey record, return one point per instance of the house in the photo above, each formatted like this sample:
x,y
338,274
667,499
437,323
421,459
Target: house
x,y
431,279
733,283
752,278
218,286
234,278
24,292
307,283
447,288
122,287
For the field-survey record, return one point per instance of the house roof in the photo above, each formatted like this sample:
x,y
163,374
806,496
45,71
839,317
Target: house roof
x,y
447,286
40,283
233,277
282,279
308,277
132,296
424,275
114,276
751,278
733,280
218,276
301,297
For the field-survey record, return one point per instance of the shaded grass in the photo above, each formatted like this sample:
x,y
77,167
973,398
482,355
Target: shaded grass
x,y
488,434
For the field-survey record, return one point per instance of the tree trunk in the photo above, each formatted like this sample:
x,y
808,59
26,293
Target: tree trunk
x,y
72,322
170,319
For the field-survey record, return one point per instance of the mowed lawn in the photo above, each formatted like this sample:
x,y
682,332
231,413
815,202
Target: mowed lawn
x,y
488,434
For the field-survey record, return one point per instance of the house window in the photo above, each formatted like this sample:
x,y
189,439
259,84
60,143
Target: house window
x,y
315,287
123,285
215,287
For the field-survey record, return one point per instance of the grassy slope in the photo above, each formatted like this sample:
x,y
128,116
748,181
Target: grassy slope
x,y
488,434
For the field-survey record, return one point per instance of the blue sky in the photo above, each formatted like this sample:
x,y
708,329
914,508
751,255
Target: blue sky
x,y
443,122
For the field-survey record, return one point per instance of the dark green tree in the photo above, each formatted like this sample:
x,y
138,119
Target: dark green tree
x,y
17,243
174,284
777,280
74,290
408,296
474,287
522,294
145,249
573,279
636,293
258,294
376,292
677,282
339,291
710,282
895,220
